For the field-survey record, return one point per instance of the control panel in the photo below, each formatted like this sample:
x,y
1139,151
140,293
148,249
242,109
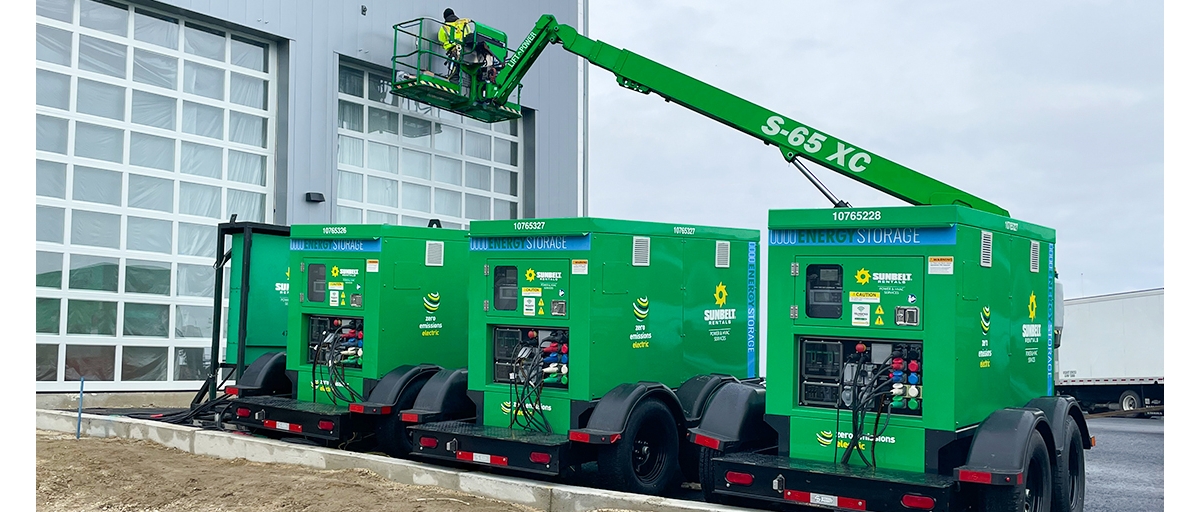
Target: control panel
x,y
531,356
335,339
860,374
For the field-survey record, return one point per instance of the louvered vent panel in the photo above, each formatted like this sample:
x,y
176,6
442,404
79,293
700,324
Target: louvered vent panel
x,y
985,249
641,251
1035,256
434,253
722,254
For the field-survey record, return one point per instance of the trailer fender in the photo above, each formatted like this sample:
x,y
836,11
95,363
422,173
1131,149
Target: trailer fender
x,y
992,459
695,394
608,420
1059,410
735,417
444,397
384,395
265,376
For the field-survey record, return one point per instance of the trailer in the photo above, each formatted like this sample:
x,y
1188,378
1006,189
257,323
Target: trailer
x,y
595,340
1112,356
373,313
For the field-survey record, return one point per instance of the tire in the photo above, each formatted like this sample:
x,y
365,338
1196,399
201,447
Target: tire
x,y
1130,400
392,435
1034,495
707,475
645,459
1069,476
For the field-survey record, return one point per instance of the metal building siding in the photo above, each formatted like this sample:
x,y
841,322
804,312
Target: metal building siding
x,y
316,32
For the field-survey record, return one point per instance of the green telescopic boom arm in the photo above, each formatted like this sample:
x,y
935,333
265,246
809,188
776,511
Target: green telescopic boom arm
x,y
793,138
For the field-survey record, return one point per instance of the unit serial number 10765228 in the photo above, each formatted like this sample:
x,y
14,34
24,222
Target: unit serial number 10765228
x,y
858,215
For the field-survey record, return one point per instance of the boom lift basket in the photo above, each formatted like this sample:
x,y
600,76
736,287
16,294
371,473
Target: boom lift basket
x,y
422,71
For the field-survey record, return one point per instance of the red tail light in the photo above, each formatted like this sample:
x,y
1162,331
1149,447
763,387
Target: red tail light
x,y
582,437
243,412
979,477
325,425
736,478
917,502
539,458
409,417
356,408
707,442
428,442
231,390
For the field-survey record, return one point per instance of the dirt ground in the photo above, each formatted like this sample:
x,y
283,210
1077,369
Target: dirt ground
x,y
121,475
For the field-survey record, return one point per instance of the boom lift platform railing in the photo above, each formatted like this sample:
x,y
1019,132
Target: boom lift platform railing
x,y
422,71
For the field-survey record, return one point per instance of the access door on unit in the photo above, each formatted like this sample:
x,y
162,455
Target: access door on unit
x,y
530,288
858,291
334,283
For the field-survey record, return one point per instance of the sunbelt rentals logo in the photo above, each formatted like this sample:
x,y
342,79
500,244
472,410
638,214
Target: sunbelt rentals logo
x,y
531,275
721,315
864,276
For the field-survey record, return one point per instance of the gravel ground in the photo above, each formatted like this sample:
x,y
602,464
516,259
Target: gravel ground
x,y
109,474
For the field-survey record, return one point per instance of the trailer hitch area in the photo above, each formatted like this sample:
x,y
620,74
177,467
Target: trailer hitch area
x,y
779,484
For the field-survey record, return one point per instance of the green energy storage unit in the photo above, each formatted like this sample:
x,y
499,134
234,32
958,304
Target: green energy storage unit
x,y
374,311
575,322
908,345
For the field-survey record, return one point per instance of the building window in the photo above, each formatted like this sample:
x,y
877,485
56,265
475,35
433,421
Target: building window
x,y
151,128
407,162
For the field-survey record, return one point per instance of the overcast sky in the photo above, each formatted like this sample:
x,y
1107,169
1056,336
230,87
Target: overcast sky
x,y
1052,110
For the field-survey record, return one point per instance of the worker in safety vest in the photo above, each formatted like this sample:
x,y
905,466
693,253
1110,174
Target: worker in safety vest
x,y
451,36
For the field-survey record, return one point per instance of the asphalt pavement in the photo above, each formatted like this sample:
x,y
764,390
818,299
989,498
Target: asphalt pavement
x,y
1125,469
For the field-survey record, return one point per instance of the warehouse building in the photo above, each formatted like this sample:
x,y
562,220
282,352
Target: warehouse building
x,y
158,120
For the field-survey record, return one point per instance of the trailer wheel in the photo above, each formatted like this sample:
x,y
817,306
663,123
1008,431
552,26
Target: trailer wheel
x,y
646,458
1032,496
392,434
708,476
1069,478
1130,400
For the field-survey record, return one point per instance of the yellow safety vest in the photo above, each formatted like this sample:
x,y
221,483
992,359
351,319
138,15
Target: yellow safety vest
x,y
453,33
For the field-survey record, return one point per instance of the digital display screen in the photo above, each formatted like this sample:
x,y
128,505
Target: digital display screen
x,y
819,297
823,290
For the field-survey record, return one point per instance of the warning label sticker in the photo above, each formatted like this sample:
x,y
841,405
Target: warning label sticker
x,y
943,265
860,315
579,267
872,297
531,292
530,308
372,265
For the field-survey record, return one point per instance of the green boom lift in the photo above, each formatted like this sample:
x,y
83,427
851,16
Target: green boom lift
x,y
913,346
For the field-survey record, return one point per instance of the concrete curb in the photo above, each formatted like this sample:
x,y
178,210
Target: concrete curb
x,y
539,495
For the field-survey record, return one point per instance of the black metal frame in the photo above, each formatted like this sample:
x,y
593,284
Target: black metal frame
x,y
247,229
882,490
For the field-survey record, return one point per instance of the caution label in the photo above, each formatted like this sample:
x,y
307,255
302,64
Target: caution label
x,y
579,267
943,265
872,297
531,292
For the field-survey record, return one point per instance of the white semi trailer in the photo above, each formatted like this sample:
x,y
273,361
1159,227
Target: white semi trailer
x,y
1111,356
